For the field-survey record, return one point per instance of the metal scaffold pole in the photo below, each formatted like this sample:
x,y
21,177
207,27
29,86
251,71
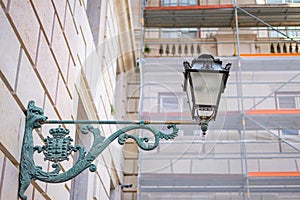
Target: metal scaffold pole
x,y
140,106
244,160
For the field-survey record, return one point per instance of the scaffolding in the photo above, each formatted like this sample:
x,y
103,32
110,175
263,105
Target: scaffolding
x,y
252,149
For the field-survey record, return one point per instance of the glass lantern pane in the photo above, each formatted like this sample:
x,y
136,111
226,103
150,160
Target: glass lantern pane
x,y
207,86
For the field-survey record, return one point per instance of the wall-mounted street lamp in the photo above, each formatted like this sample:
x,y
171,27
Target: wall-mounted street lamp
x,y
204,81
58,147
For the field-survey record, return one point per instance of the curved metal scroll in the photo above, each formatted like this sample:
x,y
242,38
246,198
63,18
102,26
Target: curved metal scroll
x,y
58,148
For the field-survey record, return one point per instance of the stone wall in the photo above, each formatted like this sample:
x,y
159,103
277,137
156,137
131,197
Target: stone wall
x,y
49,53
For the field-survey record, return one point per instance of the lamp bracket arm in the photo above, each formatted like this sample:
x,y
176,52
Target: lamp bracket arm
x,y
142,142
63,148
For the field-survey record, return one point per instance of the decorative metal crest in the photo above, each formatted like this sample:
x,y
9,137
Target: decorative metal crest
x,y
58,148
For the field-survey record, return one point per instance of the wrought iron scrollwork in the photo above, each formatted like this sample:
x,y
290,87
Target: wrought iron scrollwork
x,y
143,141
58,148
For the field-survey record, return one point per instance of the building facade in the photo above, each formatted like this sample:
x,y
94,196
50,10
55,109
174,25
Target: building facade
x,y
75,59
110,59
251,151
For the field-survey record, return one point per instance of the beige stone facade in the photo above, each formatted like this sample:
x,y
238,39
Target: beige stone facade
x,y
67,56
81,59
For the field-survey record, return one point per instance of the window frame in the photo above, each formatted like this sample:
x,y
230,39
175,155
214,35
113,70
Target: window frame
x,y
296,96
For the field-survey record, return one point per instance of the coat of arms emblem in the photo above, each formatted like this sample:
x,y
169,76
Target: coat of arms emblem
x,y
58,147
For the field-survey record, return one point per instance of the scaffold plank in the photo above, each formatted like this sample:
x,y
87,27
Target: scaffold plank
x,y
205,16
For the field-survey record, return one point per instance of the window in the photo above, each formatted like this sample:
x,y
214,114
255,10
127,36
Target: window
x,y
169,3
178,2
178,104
179,33
293,31
276,34
288,100
282,1
188,32
188,2
169,33
169,104
173,102
290,31
289,132
274,1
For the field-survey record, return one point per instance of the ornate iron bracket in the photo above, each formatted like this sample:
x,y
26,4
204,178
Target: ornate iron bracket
x,y
58,148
